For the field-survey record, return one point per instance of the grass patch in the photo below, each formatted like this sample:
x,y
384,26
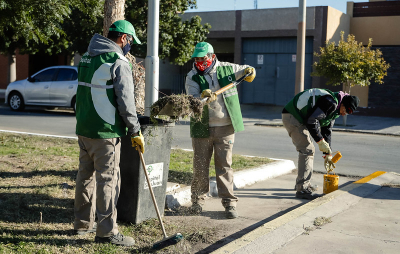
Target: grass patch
x,y
37,189
181,165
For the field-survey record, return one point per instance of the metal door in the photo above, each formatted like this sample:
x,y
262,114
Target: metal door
x,y
275,62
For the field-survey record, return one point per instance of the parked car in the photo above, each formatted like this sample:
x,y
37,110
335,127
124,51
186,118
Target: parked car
x,y
51,87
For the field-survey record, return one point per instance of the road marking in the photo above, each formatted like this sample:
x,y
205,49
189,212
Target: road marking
x,y
38,134
370,177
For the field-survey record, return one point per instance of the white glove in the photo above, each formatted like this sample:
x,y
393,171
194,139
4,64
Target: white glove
x,y
324,146
328,163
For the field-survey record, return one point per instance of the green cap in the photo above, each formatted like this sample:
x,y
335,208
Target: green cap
x,y
202,48
125,27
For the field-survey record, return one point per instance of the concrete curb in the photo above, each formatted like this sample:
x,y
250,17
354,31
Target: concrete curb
x,y
274,234
177,197
280,124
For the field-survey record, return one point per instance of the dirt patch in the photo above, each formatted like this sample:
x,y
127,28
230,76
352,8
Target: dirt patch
x,y
320,221
177,105
391,185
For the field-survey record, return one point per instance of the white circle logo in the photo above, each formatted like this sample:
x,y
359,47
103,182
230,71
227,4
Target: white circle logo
x,y
230,78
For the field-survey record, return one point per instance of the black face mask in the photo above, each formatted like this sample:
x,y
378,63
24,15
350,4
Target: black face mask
x,y
126,48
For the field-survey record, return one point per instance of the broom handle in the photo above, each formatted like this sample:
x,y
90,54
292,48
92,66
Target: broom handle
x,y
152,193
233,84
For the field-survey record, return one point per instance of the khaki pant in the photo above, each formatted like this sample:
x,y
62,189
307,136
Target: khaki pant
x,y
302,140
97,185
221,141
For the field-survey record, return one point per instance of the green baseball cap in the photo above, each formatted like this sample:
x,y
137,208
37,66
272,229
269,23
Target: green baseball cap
x,y
125,27
202,48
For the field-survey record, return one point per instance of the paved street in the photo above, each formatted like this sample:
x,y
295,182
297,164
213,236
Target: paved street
x,y
363,154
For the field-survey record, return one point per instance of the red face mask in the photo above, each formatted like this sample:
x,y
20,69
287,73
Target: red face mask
x,y
203,64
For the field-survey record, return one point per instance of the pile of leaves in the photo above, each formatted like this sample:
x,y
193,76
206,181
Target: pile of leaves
x,y
178,105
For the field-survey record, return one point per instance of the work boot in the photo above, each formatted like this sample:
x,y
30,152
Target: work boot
x,y
311,187
196,208
230,212
86,231
307,194
118,239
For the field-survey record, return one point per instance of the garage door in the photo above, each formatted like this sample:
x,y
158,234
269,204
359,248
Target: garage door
x,y
275,62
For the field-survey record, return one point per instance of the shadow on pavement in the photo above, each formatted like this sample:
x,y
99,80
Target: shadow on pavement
x,y
244,231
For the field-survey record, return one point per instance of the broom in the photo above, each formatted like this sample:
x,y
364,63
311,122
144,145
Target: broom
x,y
166,241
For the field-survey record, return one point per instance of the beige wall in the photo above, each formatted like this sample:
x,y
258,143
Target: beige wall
x,y
337,21
362,93
382,30
219,20
275,19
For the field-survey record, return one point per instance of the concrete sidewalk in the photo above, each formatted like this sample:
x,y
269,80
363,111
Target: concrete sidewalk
x,y
361,217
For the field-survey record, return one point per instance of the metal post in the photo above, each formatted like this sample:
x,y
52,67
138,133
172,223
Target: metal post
x,y
152,60
301,47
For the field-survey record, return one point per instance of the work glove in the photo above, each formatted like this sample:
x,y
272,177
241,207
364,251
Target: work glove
x,y
138,141
328,163
211,95
324,146
251,77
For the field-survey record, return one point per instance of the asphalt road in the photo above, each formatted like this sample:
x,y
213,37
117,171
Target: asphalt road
x,y
363,154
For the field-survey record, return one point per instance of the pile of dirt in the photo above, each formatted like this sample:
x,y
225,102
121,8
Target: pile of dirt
x,y
177,105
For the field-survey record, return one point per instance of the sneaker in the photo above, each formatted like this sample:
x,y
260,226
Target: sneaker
x,y
196,208
231,212
86,231
118,239
307,194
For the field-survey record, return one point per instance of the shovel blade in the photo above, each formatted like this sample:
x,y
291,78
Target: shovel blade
x,y
168,110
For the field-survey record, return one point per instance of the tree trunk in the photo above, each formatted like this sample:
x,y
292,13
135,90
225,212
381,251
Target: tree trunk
x,y
12,68
346,89
113,10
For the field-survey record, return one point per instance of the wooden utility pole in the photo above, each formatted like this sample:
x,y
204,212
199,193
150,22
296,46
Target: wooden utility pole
x,y
301,47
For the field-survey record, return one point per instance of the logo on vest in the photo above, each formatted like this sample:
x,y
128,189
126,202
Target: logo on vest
x,y
230,78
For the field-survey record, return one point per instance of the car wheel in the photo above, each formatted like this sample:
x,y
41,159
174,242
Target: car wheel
x,y
73,104
16,102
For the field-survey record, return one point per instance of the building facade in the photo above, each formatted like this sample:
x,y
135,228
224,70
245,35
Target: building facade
x,y
267,40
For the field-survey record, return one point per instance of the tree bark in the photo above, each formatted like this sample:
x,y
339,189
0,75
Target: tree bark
x,y
12,68
113,10
346,89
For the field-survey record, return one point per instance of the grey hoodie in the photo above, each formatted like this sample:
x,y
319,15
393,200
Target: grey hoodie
x,y
121,74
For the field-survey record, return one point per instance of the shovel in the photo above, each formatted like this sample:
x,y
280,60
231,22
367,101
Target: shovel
x,y
168,109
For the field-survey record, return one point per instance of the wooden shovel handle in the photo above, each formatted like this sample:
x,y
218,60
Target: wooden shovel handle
x,y
225,88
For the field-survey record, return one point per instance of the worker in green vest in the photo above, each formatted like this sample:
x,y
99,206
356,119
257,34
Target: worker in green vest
x,y
221,119
310,115
105,111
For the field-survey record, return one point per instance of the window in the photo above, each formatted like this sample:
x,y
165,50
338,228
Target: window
x,y
65,74
45,76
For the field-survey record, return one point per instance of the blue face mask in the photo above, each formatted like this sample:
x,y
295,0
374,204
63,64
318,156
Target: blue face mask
x,y
126,48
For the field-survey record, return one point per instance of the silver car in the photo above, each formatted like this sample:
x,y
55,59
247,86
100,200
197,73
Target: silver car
x,y
52,87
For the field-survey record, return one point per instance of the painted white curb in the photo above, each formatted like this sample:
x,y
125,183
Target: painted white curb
x,y
181,196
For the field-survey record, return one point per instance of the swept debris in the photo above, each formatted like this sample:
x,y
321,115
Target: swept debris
x,y
177,105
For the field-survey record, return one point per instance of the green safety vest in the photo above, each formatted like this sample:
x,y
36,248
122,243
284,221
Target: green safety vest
x,y
225,76
303,102
97,115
